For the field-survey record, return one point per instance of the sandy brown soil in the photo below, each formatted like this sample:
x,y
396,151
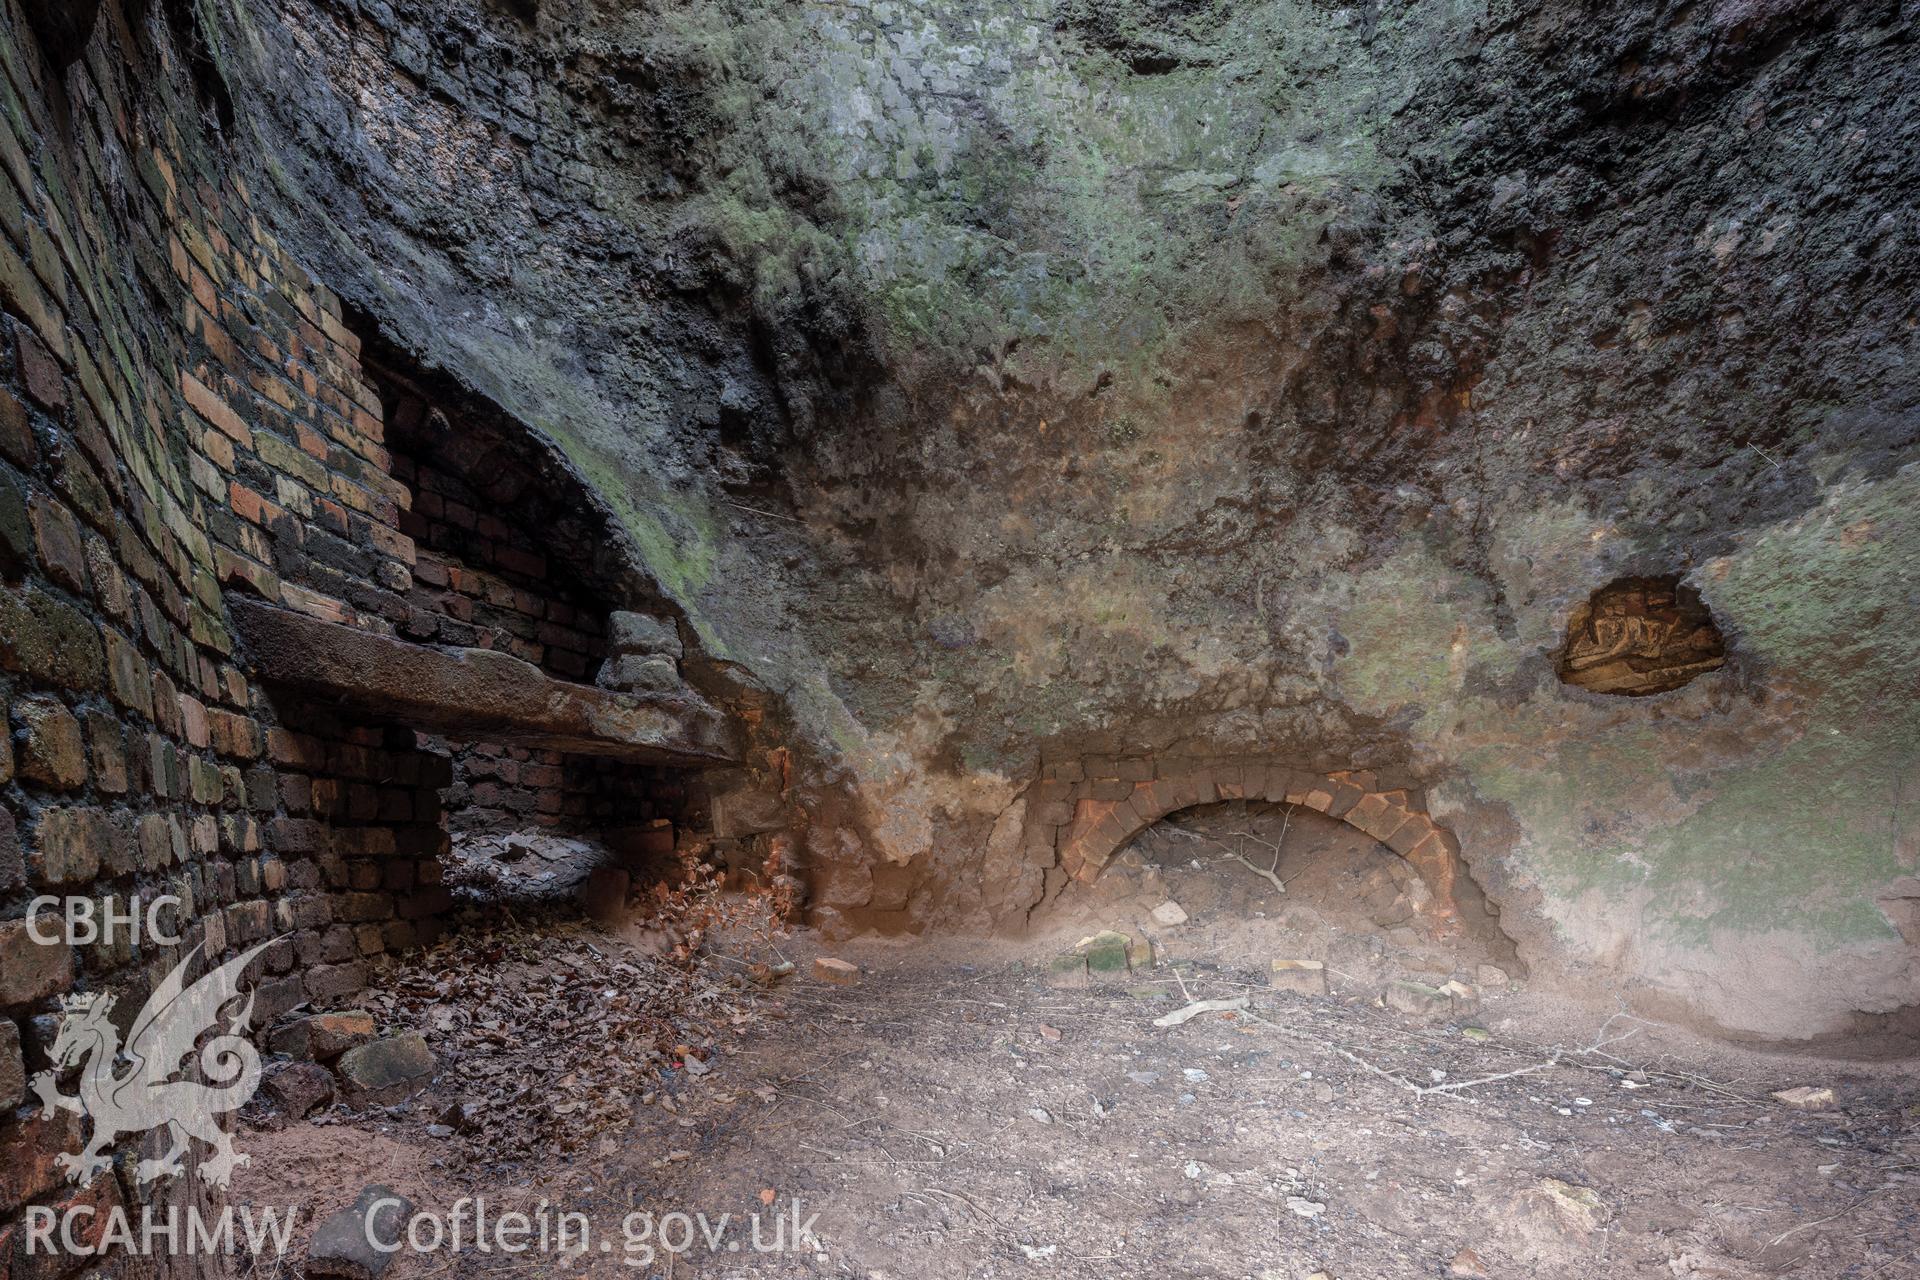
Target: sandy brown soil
x,y
953,1115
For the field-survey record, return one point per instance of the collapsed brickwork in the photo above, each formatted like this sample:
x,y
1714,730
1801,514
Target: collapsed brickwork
x,y
186,422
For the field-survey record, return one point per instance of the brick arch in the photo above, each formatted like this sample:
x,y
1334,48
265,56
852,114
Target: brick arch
x,y
1088,810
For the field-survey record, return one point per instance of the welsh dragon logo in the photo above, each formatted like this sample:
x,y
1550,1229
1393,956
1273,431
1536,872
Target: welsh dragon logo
x,y
142,1094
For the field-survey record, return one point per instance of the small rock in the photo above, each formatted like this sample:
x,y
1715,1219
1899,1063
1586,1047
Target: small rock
x,y
1169,914
439,1131
1112,955
300,1088
1450,1000
322,1037
1040,1114
342,1245
629,632
1305,977
1144,1077
838,972
460,1116
1466,1265
639,673
1067,970
1578,1207
386,1071
1304,1207
1493,978
1806,1098
1322,1091
1418,999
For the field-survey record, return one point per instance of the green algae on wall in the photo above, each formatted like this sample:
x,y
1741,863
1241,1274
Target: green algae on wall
x,y
1414,628
1796,837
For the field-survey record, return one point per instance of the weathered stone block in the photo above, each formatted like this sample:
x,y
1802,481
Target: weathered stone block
x,y
1303,977
71,844
640,673
108,745
1382,823
839,972
56,534
1450,1000
344,1245
1362,814
1111,955
31,970
16,432
629,632
1418,999
300,1088
332,981
49,640
154,839
51,751
747,810
383,1072
322,1037
1408,835
129,678
1342,796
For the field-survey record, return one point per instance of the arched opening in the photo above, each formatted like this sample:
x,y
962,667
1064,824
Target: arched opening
x,y
1252,881
1345,869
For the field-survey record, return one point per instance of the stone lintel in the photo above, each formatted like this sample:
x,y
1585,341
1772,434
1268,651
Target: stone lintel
x,y
478,693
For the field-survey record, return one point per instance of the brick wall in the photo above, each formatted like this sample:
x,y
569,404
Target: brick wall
x,y
182,413
498,787
186,413
508,555
365,805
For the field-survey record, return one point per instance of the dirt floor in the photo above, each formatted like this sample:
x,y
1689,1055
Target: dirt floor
x,y
951,1113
